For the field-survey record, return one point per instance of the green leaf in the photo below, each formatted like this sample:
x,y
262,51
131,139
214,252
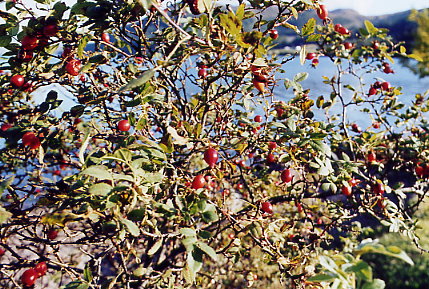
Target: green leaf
x,y
323,278
230,23
84,145
4,215
300,77
99,171
362,269
87,274
82,44
370,27
131,227
5,40
208,250
240,11
5,184
328,264
392,251
188,232
309,27
375,284
155,247
302,54
100,189
76,285
133,83
123,154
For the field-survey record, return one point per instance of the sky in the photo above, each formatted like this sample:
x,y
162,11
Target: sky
x,y
364,7
377,7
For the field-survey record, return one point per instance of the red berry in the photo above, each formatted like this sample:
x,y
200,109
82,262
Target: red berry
x,y
388,70
2,252
240,186
375,45
29,277
198,182
41,269
258,118
211,157
322,12
371,157
346,190
202,73
17,80
385,86
52,234
378,188
124,125
105,37
376,124
310,55
50,30
337,27
258,85
25,55
372,91
266,207
348,45
271,158
274,34
29,42
377,85
315,62
286,176
73,67
343,30
356,128
280,111
28,138
420,171
5,126
272,145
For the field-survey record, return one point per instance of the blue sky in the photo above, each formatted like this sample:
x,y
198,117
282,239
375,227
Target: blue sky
x,y
377,7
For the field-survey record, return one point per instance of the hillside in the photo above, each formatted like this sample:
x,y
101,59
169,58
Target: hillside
x,y
401,29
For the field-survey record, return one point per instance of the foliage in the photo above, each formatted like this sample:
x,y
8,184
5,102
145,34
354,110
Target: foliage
x,y
131,206
421,45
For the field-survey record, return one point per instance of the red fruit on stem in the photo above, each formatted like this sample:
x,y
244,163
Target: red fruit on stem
x,y
387,70
105,37
50,30
258,118
337,27
378,188
420,171
371,157
322,12
353,182
356,128
266,207
315,62
377,85
348,45
286,176
202,73
258,85
41,269
73,67
274,34
310,55
376,124
28,138
372,91
346,190
52,234
272,145
29,42
211,157
29,277
385,86
25,55
198,182
17,80
279,111
271,158
5,126
124,125
240,186
2,252
343,30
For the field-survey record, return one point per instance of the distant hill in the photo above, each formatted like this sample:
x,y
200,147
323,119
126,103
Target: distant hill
x,y
400,28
